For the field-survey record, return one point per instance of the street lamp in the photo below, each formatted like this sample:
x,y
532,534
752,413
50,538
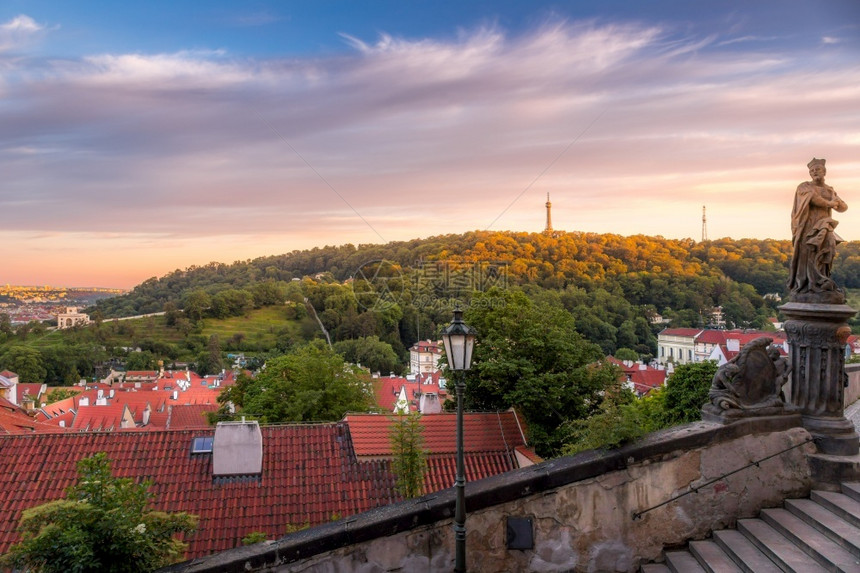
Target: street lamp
x,y
459,341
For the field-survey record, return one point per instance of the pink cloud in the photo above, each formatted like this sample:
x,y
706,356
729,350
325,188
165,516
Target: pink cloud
x,y
196,156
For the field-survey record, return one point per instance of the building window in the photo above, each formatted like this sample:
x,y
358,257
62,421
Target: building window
x,y
202,445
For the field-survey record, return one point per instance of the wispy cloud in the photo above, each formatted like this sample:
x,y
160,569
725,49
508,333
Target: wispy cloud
x,y
18,31
421,137
747,39
21,24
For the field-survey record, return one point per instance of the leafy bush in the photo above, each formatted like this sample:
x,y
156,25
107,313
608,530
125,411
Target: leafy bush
x,y
102,526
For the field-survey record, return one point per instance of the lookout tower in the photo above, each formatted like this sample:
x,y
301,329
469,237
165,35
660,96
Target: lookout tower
x,y
548,229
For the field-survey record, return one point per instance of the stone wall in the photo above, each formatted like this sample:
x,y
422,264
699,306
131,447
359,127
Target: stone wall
x,y
852,392
582,509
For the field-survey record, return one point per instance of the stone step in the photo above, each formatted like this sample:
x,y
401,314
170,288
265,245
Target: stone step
x,y
777,548
712,557
654,568
744,552
806,536
830,524
845,507
683,562
826,552
851,489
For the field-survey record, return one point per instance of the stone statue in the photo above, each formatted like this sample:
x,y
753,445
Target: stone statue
x,y
814,239
750,384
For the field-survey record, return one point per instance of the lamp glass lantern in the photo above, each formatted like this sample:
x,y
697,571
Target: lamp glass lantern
x,y
459,339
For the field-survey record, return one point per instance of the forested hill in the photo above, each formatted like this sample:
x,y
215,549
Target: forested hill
x,y
666,275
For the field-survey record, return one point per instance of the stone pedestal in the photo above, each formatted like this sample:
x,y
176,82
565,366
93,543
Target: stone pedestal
x,y
817,334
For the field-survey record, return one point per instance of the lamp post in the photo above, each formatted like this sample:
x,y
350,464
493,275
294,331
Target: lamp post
x,y
459,341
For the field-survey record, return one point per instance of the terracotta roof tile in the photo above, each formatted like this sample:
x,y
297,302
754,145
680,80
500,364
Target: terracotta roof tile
x,y
310,474
14,420
482,432
691,332
387,388
31,389
187,416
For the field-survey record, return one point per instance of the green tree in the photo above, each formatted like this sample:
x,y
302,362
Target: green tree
x,y
28,363
231,302
530,356
6,329
622,418
409,459
311,383
143,360
171,313
196,303
211,360
686,392
58,394
268,293
370,352
626,354
102,526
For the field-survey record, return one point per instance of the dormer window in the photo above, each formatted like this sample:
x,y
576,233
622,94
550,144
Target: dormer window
x,y
201,445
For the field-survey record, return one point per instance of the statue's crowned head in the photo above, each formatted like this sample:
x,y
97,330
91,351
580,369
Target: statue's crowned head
x,y
815,162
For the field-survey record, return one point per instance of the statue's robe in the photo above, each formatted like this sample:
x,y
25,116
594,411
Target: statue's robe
x,y
814,240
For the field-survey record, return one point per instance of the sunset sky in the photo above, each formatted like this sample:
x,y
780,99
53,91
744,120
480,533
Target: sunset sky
x,y
141,137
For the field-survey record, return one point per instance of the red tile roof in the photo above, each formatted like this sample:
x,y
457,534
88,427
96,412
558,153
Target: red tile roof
x,y
311,475
387,388
109,416
644,379
427,346
98,418
183,417
31,389
691,332
712,336
14,420
482,432
142,374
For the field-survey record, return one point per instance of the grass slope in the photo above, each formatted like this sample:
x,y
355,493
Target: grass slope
x,y
259,329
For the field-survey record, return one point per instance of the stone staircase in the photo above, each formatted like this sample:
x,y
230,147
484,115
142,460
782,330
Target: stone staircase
x,y
821,533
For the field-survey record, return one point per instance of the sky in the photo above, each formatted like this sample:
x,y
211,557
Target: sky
x,y
141,137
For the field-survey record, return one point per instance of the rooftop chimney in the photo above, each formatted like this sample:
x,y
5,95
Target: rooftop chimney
x,y
429,403
237,449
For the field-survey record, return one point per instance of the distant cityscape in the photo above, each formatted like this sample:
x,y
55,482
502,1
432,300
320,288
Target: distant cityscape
x,y
25,303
